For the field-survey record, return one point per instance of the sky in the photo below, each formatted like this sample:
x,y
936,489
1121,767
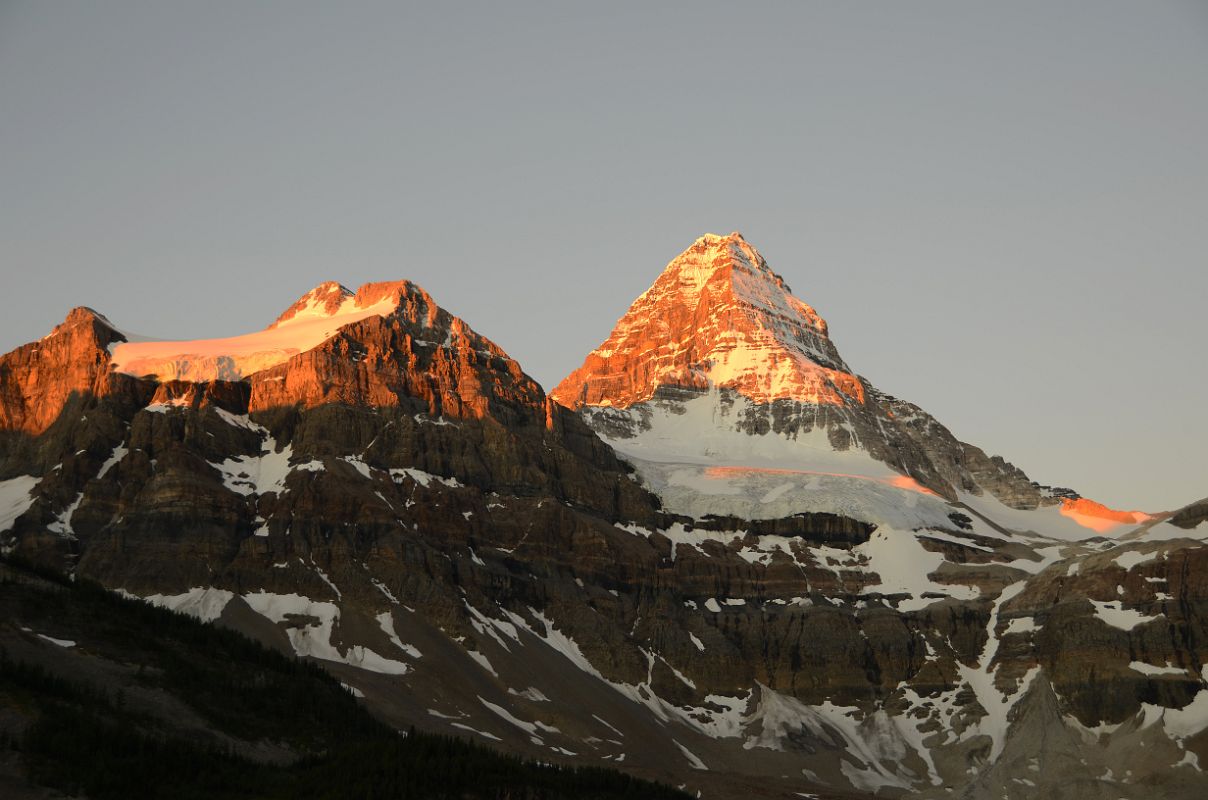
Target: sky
x,y
1001,209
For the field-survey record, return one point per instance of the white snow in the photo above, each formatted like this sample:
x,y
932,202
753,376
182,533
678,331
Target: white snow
x,y
236,357
326,579
239,421
699,644
872,743
440,715
422,478
1150,669
483,734
173,403
530,728
62,523
607,724
255,475
981,680
1046,521
385,621
59,642
203,602
117,455
313,638
1164,531
562,643
15,499
1132,558
1113,613
359,465
482,661
488,626
1021,625
1190,759
905,566
1181,722
750,492
693,761
381,587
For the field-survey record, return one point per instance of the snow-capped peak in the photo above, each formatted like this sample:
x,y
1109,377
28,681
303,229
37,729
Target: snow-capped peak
x,y
315,318
328,299
716,316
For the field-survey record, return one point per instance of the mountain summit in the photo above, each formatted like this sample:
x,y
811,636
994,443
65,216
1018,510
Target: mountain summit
x,y
717,316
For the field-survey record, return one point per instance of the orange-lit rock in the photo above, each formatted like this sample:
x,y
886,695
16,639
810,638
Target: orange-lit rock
x,y
38,380
418,350
717,316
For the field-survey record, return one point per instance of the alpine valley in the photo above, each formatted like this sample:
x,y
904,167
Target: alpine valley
x,y
713,556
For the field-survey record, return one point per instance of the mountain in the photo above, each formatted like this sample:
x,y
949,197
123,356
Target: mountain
x,y
714,556
210,713
719,362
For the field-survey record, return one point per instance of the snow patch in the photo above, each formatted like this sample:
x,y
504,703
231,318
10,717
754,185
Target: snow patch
x,y
1150,669
309,624
203,603
1132,558
693,761
15,499
424,479
385,621
236,357
1113,613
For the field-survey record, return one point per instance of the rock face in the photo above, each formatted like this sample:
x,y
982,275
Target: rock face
x,y
786,582
39,380
717,316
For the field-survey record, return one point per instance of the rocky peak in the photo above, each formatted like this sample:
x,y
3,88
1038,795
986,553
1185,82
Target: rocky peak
x,y
85,322
411,348
315,318
716,316
325,300
38,379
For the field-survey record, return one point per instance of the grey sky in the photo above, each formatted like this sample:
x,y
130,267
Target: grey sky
x,y
1000,208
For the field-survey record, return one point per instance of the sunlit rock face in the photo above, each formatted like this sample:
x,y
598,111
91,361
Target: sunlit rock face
x,y
413,349
717,316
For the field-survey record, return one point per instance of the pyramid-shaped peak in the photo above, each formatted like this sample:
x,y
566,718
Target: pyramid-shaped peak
x,y
713,238
90,323
85,315
712,254
716,316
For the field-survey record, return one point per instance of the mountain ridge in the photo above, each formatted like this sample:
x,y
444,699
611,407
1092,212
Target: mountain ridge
x,y
699,587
